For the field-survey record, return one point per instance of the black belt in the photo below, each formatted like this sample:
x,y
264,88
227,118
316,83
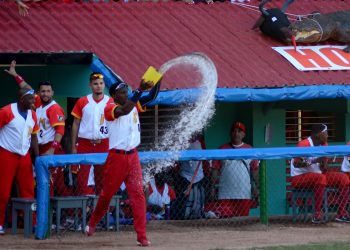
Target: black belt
x,y
123,152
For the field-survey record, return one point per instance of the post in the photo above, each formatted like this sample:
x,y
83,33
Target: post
x,y
263,193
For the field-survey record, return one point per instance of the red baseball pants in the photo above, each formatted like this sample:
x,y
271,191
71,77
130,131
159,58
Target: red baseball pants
x,y
85,146
119,168
14,166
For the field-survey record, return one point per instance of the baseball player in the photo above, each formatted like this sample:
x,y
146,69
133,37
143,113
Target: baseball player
x,y
18,129
90,132
312,174
123,162
51,123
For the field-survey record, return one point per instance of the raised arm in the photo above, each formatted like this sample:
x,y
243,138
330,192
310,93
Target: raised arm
x,y
20,81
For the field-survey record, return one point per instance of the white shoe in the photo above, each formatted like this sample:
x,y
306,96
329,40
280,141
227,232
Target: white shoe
x,y
210,215
2,230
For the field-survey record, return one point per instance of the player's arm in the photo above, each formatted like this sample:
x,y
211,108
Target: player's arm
x,y
151,96
75,129
124,109
35,145
56,119
20,81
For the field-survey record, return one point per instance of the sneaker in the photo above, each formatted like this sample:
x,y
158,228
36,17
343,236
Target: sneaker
x,y
143,242
210,215
89,231
316,220
2,230
342,219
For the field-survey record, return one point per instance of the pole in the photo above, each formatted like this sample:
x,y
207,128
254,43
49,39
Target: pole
x,y
263,193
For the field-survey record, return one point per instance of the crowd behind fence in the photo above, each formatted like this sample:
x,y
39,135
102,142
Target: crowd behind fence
x,y
273,196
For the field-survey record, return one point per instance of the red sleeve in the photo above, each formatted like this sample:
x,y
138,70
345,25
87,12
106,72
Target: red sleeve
x,y
303,143
59,129
77,111
171,193
6,115
109,111
37,101
254,165
56,115
36,126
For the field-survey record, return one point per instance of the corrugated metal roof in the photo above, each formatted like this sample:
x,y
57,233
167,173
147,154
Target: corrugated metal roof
x,y
130,36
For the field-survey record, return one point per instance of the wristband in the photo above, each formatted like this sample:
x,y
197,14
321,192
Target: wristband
x,y
136,96
19,79
55,145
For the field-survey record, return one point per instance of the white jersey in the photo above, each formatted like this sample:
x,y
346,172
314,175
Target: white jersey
x,y
93,123
47,126
124,131
157,198
15,131
345,166
314,167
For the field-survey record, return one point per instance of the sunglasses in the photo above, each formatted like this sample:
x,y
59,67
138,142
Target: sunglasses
x,y
29,92
96,76
122,86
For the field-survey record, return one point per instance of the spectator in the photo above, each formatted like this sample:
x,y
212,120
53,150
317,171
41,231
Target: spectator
x,y
345,166
18,129
90,133
159,195
312,174
190,186
235,179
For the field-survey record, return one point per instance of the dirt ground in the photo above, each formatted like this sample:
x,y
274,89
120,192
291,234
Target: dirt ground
x,y
175,236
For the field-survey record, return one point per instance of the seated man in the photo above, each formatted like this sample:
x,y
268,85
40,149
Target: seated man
x,y
159,195
312,174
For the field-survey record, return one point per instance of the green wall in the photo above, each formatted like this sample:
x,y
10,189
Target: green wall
x,y
258,116
67,80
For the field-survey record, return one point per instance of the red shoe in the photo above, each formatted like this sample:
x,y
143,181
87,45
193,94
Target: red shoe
x,y
143,242
89,231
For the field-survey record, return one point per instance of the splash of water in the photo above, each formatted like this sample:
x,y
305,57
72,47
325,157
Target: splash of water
x,y
193,118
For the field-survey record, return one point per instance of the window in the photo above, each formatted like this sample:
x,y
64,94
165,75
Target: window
x,y
154,123
299,124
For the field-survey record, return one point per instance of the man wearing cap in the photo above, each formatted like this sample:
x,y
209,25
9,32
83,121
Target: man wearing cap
x,y
18,132
312,174
90,133
123,162
51,127
234,192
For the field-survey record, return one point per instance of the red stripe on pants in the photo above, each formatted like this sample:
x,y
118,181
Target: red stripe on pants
x,y
85,146
119,168
18,168
312,181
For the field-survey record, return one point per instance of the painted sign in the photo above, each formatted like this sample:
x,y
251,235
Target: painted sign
x,y
307,58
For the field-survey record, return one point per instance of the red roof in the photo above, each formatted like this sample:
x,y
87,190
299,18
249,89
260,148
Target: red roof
x,y
129,37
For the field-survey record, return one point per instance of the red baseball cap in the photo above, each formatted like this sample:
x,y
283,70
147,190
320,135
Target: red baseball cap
x,y
239,125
